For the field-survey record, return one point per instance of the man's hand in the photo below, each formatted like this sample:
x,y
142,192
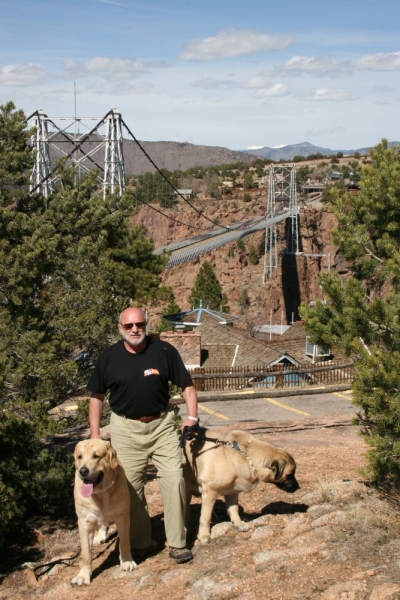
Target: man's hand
x,y
190,424
188,433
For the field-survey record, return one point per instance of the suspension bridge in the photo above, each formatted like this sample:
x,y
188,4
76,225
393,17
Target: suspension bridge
x,y
100,147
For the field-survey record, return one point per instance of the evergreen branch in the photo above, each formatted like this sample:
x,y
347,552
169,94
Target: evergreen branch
x,y
365,346
370,253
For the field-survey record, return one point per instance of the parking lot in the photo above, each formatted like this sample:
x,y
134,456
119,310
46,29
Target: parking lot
x,y
217,413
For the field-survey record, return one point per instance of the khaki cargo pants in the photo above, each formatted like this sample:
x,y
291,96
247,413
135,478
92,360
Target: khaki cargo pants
x,y
136,443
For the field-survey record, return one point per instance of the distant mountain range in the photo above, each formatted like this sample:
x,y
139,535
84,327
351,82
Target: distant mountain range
x,y
303,149
183,155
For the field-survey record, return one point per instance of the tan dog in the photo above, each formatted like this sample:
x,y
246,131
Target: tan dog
x,y
101,497
236,463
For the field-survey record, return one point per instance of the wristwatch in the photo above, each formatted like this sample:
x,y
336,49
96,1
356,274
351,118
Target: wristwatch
x,y
195,419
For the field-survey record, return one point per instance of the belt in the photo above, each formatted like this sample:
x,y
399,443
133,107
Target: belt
x,y
145,419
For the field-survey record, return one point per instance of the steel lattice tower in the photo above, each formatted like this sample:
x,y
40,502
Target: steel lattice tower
x,y
41,172
281,190
292,243
271,249
114,175
80,149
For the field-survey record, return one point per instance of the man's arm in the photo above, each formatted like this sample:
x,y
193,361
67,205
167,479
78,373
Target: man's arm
x,y
95,414
190,396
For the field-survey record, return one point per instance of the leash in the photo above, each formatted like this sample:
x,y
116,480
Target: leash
x,y
189,434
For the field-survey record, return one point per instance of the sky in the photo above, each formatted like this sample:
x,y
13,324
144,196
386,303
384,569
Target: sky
x,y
237,74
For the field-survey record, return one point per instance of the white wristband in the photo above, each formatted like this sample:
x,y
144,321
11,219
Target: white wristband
x,y
195,419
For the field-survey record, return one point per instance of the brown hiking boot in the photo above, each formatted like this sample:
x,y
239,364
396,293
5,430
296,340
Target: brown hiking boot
x,y
181,555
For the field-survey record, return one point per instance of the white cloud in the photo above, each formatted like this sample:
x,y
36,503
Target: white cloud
x,y
324,131
23,74
123,89
114,68
325,64
273,91
329,95
389,61
211,83
258,81
232,42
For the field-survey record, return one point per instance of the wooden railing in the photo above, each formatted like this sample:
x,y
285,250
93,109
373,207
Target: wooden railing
x,y
236,378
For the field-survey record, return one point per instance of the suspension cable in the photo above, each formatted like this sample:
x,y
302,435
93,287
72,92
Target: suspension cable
x,y
166,179
163,214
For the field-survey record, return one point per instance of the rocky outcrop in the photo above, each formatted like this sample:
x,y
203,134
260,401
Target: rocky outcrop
x,y
250,293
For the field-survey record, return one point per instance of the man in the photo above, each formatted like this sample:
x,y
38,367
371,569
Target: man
x,y
136,372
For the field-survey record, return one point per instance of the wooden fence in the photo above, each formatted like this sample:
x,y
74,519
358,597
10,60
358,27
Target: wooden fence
x,y
279,376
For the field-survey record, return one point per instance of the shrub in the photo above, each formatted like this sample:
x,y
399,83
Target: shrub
x,y
32,479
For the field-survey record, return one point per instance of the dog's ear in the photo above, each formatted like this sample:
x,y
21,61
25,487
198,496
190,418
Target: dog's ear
x,y
112,455
76,453
278,468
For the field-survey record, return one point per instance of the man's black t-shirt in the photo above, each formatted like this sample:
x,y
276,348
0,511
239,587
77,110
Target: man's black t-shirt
x,y
138,383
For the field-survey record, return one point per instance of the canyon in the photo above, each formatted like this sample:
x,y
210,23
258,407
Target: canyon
x,y
257,299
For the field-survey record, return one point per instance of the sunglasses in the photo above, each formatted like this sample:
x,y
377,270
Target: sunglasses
x,y
129,326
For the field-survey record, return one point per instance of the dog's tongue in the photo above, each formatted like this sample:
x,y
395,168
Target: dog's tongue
x,y
87,489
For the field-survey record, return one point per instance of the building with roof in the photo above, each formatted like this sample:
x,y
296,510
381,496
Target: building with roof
x,y
208,339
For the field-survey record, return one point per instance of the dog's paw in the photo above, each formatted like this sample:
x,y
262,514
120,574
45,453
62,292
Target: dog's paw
x,y
204,539
101,536
128,565
81,580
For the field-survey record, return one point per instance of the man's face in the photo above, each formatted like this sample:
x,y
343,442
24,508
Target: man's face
x,y
132,327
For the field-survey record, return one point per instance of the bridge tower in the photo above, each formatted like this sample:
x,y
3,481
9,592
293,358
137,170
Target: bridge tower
x,y
81,149
271,250
293,233
281,199
114,175
41,178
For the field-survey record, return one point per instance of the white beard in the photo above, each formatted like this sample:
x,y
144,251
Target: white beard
x,y
133,340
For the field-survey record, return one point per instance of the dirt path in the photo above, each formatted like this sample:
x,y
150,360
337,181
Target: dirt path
x,y
333,539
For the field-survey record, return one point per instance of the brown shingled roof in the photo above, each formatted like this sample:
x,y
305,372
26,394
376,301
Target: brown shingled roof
x,y
250,352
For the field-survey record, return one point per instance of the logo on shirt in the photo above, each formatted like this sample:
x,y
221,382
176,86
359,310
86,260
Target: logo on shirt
x,y
151,372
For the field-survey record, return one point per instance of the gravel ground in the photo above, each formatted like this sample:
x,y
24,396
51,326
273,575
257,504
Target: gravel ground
x,y
335,538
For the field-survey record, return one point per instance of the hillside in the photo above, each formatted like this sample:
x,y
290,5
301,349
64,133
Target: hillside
x,y
166,155
178,156
335,538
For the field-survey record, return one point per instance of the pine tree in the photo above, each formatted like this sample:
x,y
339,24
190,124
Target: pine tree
x,y
69,264
208,290
171,309
362,315
16,156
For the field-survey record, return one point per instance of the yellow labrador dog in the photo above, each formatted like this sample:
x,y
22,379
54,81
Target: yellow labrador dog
x,y
227,463
101,497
